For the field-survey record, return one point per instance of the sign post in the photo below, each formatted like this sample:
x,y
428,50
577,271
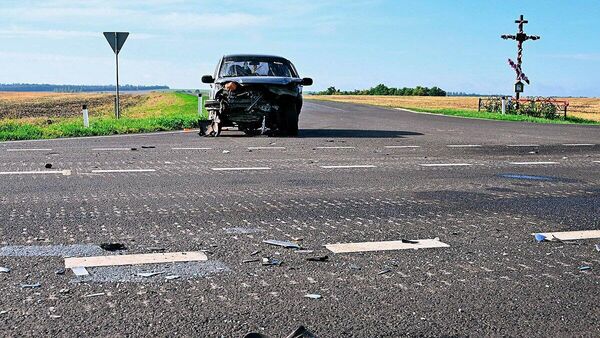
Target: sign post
x,y
116,40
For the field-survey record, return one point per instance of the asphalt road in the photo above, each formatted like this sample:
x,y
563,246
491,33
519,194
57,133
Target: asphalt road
x,y
355,174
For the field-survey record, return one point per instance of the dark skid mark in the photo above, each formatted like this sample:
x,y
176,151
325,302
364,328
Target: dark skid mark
x,y
355,133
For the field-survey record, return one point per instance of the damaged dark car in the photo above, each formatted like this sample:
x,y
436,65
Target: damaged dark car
x,y
258,94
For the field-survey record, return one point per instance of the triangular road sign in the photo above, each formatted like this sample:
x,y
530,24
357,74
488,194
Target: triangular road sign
x,y
116,40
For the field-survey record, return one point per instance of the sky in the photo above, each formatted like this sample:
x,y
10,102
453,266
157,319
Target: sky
x,y
453,44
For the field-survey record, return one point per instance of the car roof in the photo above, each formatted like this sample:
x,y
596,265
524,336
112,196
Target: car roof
x,y
254,56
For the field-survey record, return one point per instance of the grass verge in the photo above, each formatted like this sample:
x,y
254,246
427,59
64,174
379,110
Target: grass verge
x,y
503,117
158,112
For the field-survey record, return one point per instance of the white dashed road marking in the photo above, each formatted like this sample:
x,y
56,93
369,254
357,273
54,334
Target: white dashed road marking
x,y
578,144
463,145
239,169
384,246
110,149
191,148
266,148
347,166
336,147
571,235
394,147
532,163
29,149
445,164
523,145
37,172
100,171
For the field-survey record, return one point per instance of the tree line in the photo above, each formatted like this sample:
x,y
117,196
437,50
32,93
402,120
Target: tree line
x,y
385,90
31,87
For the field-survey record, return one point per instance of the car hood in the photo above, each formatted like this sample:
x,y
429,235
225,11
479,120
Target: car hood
x,y
266,80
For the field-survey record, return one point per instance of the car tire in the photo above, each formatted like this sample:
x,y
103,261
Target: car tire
x,y
291,120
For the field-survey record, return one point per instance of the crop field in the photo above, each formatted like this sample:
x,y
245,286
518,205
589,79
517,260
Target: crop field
x,y
51,115
585,108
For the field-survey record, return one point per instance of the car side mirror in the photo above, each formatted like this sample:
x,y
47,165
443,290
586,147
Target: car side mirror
x,y
307,81
208,79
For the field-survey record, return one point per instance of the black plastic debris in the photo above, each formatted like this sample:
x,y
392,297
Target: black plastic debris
x,y
31,286
48,165
285,244
134,149
318,259
408,241
250,260
271,261
255,335
148,147
113,246
301,332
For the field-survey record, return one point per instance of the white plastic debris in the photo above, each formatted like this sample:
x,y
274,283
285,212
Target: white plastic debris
x,y
150,274
313,296
4,270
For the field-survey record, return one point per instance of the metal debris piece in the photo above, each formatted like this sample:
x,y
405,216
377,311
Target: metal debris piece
x,y
539,238
48,165
250,260
226,151
95,294
80,271
55,316
585,268
150,274
285,244
31,286
354,267
3,312
4,270
271,261
64,291
171,277
598,247
318,259
297,239
313,296
60,271
382,272
254,252
113,246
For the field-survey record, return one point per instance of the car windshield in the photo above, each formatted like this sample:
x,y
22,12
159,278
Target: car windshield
x,y
255,67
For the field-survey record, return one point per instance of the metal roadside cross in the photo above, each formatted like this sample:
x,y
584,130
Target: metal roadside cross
x,y
116,40
520,38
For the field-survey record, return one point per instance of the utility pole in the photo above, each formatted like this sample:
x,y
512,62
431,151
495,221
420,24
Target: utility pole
x,y
520,38
116,41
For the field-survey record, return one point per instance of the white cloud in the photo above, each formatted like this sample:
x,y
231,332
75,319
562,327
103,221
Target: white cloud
x,y
59,34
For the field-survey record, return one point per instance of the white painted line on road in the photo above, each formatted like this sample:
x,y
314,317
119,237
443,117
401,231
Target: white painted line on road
x,y
192,148
596,161
169,257
336,147
240,169
571,235
266,148
384,246
522,145
445,164
347,166
110,149
394,147
100,171
463,145
578,144
532,163
29,149
37,172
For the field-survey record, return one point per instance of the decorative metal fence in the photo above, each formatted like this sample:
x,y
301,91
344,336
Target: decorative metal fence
x,y
549,108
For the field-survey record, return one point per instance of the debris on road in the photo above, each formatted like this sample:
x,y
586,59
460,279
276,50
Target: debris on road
x,y
80,271
169,257
172,277
250,260
271,261
285,244
585,268
63,291
318,259
301,332
4,270
304,251
384,246
148,147
48,166
113,246
540,238
134,149
313,296
254,252
383,272
60,271
598,247
354,267
31,286
95,295
150,274
408,241
226,151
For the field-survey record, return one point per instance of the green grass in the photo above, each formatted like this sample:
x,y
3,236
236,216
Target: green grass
x,y
503,117
165,112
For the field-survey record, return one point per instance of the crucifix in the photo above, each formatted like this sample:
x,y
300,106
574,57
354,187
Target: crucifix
x,y
520,38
